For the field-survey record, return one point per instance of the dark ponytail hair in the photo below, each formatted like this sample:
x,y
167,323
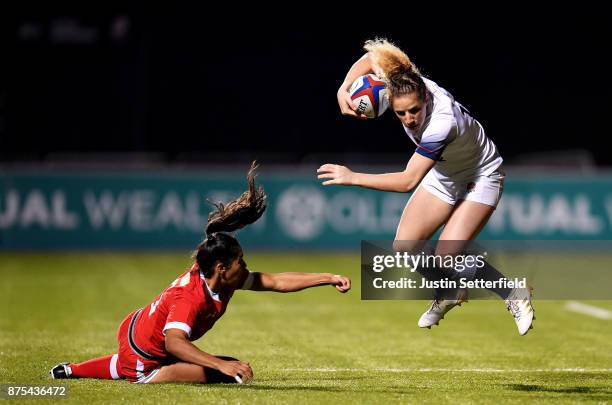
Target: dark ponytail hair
x,y
244,210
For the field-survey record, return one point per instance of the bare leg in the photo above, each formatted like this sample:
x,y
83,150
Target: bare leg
x,y
465,224
423,215
466,221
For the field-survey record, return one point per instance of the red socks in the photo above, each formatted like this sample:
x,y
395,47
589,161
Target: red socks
x,y
105,367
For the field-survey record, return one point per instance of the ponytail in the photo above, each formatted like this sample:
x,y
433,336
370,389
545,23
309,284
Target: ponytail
x,y
401,76
244,210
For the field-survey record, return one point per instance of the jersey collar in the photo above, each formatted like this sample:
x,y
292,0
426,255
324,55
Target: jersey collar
x,y
213,295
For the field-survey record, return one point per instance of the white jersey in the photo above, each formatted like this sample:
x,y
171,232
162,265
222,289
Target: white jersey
x,y
454,139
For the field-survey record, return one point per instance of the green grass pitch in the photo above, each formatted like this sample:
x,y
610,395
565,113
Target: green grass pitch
x,y
315,346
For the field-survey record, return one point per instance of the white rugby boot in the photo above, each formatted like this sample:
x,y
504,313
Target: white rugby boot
x,y
439,308
519,305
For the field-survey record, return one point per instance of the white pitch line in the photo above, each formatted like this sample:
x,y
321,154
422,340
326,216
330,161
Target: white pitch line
x,y
588,310
453,370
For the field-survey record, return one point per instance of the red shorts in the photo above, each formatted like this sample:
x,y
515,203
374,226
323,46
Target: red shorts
x,y
132,366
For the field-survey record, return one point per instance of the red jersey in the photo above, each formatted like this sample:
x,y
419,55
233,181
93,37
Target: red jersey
x,y
188,304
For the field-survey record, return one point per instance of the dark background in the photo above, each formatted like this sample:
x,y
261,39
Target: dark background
x,y
201,85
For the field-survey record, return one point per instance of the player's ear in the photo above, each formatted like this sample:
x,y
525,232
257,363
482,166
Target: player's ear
x,y
219,267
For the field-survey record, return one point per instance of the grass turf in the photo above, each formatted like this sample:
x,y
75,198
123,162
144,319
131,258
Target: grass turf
x,y
315,346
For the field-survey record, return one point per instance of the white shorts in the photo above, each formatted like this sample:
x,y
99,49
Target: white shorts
x,y
482,189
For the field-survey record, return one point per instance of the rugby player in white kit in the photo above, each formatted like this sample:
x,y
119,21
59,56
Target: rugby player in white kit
x,y
456,171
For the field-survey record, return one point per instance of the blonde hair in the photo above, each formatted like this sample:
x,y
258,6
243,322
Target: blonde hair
x,y
397,70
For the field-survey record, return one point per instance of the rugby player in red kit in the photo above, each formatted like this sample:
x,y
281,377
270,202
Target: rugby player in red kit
x,y
155,341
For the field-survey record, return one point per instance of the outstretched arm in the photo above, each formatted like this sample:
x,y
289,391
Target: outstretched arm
x,y
402,182
291,282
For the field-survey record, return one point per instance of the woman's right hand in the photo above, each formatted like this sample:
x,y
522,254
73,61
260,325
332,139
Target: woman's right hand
x,y
336,174
237,368
347,107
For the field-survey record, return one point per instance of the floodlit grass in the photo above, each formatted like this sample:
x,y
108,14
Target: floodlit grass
x,y
315,346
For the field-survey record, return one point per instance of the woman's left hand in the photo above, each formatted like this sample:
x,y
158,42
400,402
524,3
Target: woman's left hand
x,y
336,174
